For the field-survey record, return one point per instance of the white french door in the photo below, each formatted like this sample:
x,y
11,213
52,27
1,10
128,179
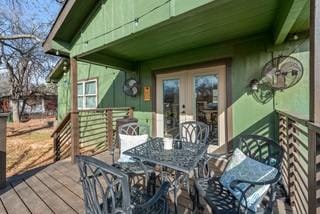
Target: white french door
x,y
195,94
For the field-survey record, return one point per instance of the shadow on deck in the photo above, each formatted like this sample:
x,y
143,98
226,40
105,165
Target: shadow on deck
x,y
56,189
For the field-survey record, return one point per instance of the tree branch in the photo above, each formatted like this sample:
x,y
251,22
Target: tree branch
x,y
20,36
11,46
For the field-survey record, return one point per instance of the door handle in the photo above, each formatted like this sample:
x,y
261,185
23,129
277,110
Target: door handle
x,y
183,112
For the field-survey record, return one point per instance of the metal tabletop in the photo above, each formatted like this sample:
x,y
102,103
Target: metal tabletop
x,y
184,159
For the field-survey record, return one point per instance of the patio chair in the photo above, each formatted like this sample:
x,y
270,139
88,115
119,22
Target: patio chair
x,y
106,190
193,132
134,168
235,199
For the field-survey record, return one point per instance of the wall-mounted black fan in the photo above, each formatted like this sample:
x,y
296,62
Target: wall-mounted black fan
x,y
282,72
131,87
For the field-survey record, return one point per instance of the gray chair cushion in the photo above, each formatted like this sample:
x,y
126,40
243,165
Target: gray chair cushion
x,y
242,167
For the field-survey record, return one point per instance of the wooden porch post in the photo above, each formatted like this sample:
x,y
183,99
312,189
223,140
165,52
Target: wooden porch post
x,y
74,110
315,61
314,102
3,153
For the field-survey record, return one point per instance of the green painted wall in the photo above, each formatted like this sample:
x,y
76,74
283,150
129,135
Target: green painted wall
x,y
118,18
295,100
109,80
63,96
171,26
248,58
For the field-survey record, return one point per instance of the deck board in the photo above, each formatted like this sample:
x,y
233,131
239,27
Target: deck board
x,y
57,189
64,193
32,201
50,198
68,182
12,202
2,209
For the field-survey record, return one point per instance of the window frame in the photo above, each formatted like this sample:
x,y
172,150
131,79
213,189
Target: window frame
x,y
84,95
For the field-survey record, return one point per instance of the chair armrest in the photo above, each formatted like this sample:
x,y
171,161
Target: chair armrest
x,y
216,156
253,183
162,192
207,158
234,185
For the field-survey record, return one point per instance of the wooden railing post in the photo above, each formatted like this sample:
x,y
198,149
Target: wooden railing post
x,y
312,182
56,152
286,151
75,146
3,153
109,128
290,142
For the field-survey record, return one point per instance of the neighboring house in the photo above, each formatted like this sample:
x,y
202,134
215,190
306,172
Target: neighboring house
x,y
194,60
4,95
4,103
36,104
40,104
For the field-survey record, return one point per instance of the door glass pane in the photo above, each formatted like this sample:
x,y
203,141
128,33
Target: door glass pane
x,y
205,103
90,101
90,87
171,107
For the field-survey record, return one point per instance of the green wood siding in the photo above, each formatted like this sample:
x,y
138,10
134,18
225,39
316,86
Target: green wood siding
x,y
248,57
171,25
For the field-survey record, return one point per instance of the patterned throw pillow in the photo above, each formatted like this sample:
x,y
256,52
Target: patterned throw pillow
x,y
128,142
242,167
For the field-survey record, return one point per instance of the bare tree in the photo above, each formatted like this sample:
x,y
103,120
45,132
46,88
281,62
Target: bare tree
x,y
22,55
18,6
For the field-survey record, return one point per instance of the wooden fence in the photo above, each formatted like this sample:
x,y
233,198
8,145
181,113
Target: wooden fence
x,y
301,165
96,131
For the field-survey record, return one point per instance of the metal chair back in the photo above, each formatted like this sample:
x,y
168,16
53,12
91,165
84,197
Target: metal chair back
x,y
133,129
106,188
128,129
194,132
262,149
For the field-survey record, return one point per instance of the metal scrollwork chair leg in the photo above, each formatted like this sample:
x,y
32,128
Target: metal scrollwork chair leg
x,y
151,186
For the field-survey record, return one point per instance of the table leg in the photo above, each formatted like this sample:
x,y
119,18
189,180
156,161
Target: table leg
x,y
175,189
175,199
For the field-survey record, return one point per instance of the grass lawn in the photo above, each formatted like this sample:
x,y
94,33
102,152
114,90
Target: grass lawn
x,y
29,145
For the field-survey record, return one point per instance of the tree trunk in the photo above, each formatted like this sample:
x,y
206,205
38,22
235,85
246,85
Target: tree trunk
x,y
22,109
15,110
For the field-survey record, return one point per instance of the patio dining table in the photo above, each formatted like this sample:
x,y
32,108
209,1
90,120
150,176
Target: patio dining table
x,y
183,159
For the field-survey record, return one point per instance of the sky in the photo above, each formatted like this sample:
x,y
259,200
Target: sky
x,y
32,11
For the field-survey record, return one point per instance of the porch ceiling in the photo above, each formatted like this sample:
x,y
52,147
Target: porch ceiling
x,y
206,25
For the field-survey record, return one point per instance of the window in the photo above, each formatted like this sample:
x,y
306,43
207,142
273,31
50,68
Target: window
x,y
87,94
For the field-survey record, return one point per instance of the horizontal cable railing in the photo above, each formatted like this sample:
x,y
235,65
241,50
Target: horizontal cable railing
x,y
97,128
62,139
96,131
300,140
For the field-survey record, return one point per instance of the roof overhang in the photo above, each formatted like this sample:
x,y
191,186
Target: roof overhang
x,y
56,73
209,24
66,8
59,39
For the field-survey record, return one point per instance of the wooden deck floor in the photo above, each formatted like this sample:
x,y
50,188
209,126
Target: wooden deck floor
x,y
56,189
